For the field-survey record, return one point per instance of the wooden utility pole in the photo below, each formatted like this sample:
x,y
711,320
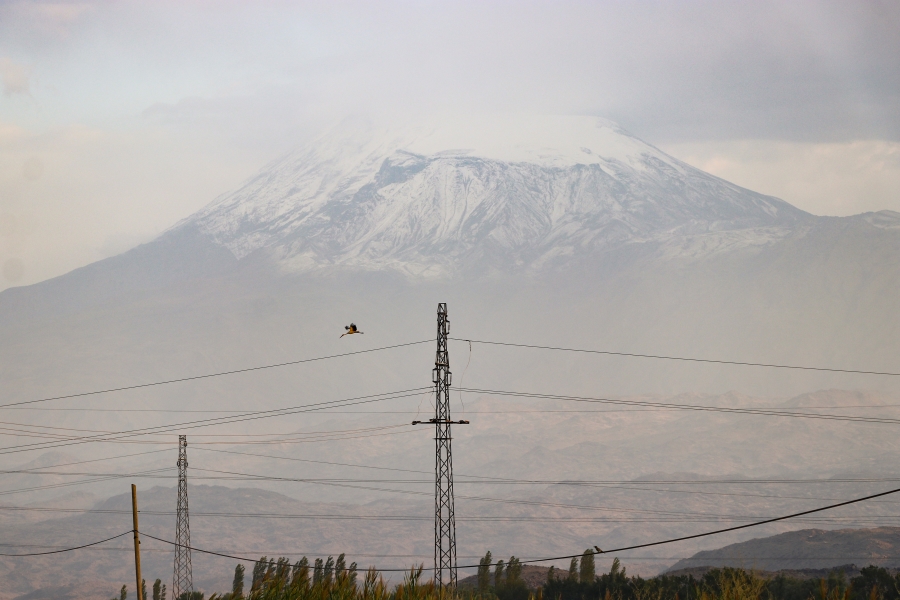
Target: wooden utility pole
x,y
137,544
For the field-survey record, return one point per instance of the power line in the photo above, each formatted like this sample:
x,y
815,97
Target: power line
x,y
605,485
479,479
692,407
623,549
347,483
326,432
81,462
680,358
311,552
210,375
323,437
249,416
410,412
726,530
694,517
142,474
354,555
70,549
615,550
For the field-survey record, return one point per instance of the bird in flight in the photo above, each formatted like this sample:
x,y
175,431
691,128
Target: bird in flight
x,y
351,328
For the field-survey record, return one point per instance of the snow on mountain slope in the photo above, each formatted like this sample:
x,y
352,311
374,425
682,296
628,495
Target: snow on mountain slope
x,y
508,192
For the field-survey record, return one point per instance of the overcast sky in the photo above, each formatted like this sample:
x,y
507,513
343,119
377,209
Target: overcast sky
x,y
119,118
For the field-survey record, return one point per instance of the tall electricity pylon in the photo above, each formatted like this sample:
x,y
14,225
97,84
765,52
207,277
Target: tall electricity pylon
x,y
444,516
183,580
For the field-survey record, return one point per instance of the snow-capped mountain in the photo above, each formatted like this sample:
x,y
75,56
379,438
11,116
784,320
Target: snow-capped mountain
x,y
500,192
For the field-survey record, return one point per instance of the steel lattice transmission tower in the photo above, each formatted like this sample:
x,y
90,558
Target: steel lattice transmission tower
x,y
183,580
444,516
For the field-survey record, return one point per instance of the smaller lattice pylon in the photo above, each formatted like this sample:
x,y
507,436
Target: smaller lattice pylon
x,y
182,580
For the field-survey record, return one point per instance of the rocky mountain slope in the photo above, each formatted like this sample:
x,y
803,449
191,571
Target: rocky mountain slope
x,y
529,194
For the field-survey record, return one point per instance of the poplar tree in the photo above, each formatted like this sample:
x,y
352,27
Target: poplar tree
x,y
237,584
259,572
317,572
329,570
513,571
573,570
282,570
340,566
586,574
123,593
300,575
351,571
484,572
498,574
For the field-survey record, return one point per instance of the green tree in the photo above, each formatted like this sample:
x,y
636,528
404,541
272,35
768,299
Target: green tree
x,y
498,574
143,589
484,572
259,573
270,571
875,581
551,574
329,570
123,593
351,573
282,570
586,573
318,572
340,566
300,575
513,571
573,570
237,584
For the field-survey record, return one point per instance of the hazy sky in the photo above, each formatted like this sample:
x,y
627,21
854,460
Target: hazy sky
x,y
119,118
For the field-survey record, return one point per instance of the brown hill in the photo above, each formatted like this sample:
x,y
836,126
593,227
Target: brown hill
x,y
533,576
805,549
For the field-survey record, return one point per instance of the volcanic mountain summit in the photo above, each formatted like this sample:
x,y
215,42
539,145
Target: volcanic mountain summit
x,y
500,193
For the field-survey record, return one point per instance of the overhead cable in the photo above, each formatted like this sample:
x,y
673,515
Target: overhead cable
x,y
718,531
598,550
71,549
692,407
680,358
605,485
210,375
248,416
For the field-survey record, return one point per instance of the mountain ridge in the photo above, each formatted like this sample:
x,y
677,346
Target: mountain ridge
x,y
805,549
376,204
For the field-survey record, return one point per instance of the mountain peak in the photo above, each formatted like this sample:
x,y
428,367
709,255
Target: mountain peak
x,y
505,192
